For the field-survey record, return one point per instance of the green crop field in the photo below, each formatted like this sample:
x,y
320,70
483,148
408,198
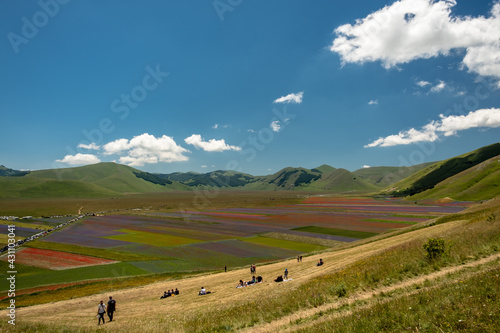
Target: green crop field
x,y
390,221
285,244
30,277
150,238
337,232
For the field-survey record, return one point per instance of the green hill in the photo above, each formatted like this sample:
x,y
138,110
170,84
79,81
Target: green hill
x,y
430,176
342,180
385,176
286,179
97,180
480,182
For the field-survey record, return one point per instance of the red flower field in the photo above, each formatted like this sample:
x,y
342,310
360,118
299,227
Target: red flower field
x,y
56,260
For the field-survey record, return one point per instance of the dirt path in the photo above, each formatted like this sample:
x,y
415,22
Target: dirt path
x,y
283,324
140,309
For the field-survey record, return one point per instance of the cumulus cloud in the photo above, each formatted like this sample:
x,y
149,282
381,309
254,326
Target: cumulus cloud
x,y
146,149
290,98
91,146
423,83
421,29
366,166
373,102
438,87
80,159
116,147
446,126
210,145
275,126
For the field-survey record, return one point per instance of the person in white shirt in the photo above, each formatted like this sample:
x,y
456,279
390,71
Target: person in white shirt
x,y
101,310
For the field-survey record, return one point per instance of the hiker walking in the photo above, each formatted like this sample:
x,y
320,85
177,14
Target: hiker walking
x,y
111,308
101,310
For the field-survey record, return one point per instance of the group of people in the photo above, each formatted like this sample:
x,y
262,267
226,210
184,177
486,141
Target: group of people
x,y
170,293
103,308
254,280
110,308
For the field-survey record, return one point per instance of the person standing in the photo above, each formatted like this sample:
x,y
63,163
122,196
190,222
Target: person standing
x,y
286,274
101,310
111,308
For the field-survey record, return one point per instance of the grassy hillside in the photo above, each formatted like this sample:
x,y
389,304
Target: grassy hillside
x,y
480,182
385,176
97,180
430,176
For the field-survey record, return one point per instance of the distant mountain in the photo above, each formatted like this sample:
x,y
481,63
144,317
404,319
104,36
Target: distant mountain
x,y
430,176
217,178
96,180
342,180
385,176
6,172
285,179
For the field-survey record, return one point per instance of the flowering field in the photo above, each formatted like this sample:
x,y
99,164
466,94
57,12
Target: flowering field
x,y
55,260
174,241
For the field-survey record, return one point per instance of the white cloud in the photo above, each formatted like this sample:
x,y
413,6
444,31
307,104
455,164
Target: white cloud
x,y
250,131
290,98
210,145
146,148
203,166
423,83
217,126
275,126
80,159
92,146
481,118
421,29
373,102
116,147
438,87
366,166
446,126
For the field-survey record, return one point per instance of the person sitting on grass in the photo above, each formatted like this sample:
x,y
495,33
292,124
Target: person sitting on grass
x,y
320,262
176,292
165,295
241,284
259,279
252,281
203,291
279,279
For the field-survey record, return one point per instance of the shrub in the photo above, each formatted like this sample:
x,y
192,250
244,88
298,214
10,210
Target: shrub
x,y
435,248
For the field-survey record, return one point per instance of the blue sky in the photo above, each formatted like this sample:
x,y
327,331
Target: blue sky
x,y
255,86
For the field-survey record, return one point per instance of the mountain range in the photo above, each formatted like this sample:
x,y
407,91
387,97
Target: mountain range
x,y
471,176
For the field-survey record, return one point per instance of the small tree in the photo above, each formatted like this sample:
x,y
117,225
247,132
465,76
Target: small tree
x,y
435,248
